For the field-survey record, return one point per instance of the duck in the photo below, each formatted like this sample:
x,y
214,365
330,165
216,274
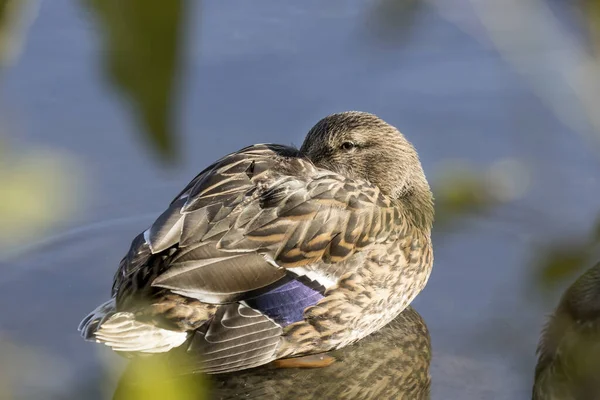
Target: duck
x,y
274,254
392,363
569,347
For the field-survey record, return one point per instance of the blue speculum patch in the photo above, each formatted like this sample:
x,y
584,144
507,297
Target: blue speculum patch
x,y
286,303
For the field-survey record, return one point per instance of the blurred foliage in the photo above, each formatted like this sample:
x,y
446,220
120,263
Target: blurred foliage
x,y
560,262
142,56
566,258
460,193
13,21
37,189
591,12
462,190
152,378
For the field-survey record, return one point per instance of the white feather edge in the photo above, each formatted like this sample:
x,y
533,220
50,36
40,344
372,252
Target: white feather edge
x,y
122,332
321,278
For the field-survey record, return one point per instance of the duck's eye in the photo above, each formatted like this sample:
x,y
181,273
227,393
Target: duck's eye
x,y
348,146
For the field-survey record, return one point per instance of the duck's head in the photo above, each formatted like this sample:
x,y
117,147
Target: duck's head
x,y
361,145
582,299
579,306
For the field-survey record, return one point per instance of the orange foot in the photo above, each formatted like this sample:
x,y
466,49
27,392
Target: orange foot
x,y
312,361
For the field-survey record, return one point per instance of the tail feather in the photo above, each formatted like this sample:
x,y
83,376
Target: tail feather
x,y
234,337
123,333
89,325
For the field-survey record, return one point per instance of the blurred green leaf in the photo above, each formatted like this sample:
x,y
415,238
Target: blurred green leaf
x,y
142,46
562,263
459,193
151,378
13,23
591,12
463,190
564,260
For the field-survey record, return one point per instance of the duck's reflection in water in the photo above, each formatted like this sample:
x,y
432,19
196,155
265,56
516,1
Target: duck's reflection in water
x,y
390,364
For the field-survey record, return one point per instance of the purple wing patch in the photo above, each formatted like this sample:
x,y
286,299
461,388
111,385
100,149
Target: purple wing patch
x,y
286,303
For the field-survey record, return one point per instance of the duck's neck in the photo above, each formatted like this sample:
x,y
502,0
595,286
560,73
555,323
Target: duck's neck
x,y
418,206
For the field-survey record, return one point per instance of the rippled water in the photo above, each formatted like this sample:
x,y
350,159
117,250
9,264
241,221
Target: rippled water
x,y
265,71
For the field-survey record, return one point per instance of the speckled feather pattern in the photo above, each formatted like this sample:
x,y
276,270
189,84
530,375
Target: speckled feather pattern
x,y
364,300
248,224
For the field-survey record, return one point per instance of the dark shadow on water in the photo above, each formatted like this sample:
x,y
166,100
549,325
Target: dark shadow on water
x,y
390,364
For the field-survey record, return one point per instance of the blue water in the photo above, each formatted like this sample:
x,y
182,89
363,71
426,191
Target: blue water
x,y
265,71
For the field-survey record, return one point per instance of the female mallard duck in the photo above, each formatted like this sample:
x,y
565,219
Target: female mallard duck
x,y
272,253
392,363
569,347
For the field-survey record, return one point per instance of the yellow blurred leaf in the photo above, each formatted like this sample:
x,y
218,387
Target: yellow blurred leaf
x,y
142,51
152,378
562,262
37,189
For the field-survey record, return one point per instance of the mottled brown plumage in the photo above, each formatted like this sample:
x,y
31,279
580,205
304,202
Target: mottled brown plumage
x,y
568,365
344,221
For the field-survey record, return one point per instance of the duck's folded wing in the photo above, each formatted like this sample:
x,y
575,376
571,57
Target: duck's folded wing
x,y
239,337
240,224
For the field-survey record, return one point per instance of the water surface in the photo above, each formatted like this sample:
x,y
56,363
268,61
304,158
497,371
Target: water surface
x,y
265,71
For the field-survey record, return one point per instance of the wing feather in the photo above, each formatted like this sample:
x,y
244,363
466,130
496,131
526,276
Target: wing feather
x,y
166,230
238,337
219,280
242,221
